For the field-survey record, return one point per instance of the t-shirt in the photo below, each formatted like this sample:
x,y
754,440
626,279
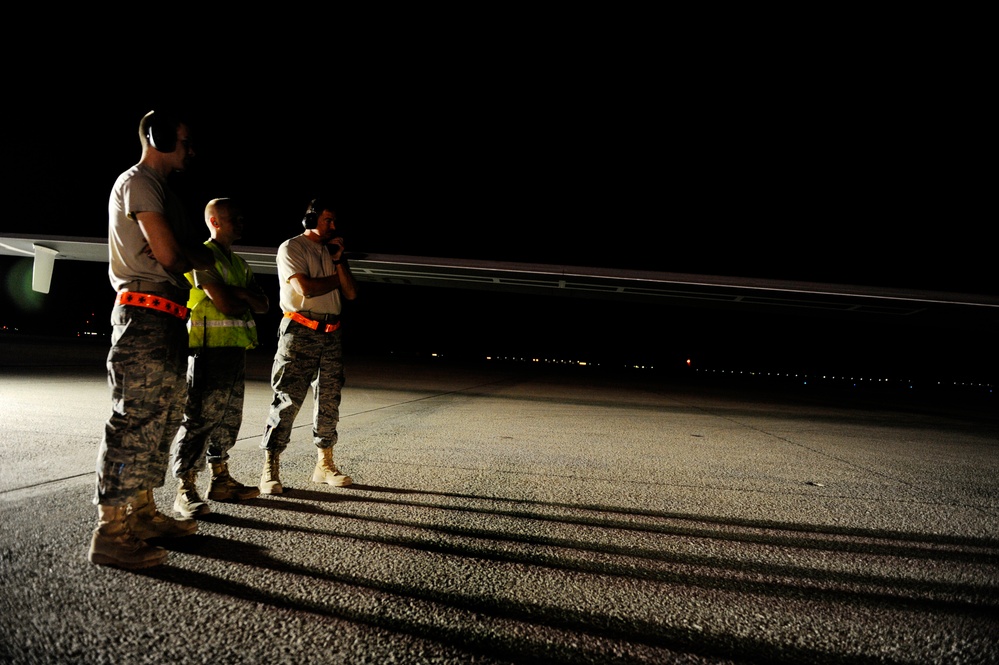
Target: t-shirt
x,y
141,189
301,255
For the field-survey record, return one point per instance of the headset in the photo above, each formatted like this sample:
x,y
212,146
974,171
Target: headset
x,y
161,131
311,219
316,207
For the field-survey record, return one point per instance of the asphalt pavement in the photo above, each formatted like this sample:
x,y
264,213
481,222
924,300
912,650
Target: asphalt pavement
x,y
520,513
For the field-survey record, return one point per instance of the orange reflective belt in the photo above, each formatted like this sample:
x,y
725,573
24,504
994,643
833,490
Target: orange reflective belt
x,y
152,301
309,323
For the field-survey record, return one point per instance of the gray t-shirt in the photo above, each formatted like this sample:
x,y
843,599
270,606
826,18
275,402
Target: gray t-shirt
x,y
141,189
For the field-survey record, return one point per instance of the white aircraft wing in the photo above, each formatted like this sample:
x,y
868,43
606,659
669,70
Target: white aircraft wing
x,y
581,282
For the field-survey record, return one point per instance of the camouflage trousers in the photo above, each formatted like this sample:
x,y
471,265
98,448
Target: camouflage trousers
x,y
305,358
147,366
216,382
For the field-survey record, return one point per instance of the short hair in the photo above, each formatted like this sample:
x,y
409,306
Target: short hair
x,y
321,203
158,129
220,205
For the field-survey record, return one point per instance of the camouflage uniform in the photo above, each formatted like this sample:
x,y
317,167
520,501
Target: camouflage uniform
x,y
214,414
305,358
147,363
147,367
216,374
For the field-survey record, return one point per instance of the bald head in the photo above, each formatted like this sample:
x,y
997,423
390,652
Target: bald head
x,y
224,220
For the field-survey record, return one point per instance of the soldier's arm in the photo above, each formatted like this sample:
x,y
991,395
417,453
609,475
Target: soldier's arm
x,y
167,250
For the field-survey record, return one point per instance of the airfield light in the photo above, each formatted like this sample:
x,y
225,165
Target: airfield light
x,y
18,286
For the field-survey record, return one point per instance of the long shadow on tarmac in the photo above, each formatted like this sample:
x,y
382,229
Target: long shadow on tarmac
x,y
727,573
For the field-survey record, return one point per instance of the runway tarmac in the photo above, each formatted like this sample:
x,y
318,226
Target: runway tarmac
x,y
520,514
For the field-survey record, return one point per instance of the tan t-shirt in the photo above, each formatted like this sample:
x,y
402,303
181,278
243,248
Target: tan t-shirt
x,y
301,255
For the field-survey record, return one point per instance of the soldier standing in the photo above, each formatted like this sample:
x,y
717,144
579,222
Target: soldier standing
x,y
222,304
314,278
149,240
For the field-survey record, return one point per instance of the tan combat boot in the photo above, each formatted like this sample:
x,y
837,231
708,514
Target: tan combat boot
x,y
146,522
113,544
326,471
269,481
226,488
188,502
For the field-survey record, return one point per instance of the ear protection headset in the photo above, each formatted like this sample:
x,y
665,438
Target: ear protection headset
x,y
311,219
161,131
316,207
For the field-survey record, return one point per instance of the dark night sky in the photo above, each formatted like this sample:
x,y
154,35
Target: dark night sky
x,y
787,160
781,160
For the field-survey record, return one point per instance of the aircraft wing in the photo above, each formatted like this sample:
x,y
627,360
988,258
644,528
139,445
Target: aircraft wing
x,y
580,282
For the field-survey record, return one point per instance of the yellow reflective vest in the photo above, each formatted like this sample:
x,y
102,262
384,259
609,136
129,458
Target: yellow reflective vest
x,y
207,325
